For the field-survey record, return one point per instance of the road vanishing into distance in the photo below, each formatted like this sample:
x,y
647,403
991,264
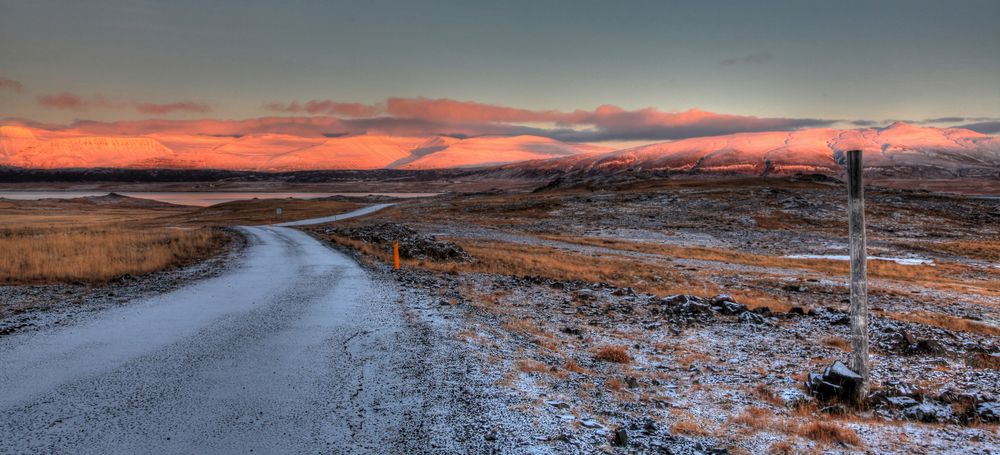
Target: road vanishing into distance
x,y
293,349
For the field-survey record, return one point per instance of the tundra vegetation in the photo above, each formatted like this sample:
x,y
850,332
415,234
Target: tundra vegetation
x,y
679,313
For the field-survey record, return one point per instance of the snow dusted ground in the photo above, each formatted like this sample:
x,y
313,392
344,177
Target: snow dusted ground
x,y
292,349
702,380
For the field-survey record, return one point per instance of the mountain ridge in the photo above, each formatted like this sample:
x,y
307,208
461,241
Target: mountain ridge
x,y
898,150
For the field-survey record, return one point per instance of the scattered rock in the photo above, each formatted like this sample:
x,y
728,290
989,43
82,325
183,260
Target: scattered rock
x,y
751,318
412,244
792,398
725,304
989,411
901,402
619,437
837,381
590,423
928,412
557,404
909,344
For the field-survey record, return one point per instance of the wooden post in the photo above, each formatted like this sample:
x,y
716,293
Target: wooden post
x,y
859,271
395,254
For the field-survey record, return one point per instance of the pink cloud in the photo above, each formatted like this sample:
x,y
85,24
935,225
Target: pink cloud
x,y
425,116
11,84
72,102
606,122
167,108
69,101
448,110
326,107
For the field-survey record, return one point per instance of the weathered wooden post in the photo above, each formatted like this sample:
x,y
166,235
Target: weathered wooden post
x,y
859,271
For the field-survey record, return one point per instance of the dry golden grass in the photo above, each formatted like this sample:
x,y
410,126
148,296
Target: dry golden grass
x,y
508,258
262,211
837,343
976,249
614,384
944,321
612,353
99,254
822,431
532,366
829,432
526,326
75,240
781,448
574,367
688,424
516,259
940,276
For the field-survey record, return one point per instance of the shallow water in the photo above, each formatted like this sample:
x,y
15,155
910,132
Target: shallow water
x,y
202,199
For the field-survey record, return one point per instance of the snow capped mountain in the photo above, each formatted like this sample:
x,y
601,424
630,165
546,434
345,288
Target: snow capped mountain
x,y
19,146
495,150
898,150
14,139
91,152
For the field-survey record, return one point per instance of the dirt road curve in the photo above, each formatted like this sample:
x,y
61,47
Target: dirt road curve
x,y
293,350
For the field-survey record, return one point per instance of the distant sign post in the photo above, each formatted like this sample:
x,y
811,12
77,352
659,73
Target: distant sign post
x,y
859,271
277,212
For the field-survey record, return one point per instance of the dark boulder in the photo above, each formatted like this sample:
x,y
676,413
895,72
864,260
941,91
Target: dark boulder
x,y
901,402
928,412
619,437
751,318
726,305
989,411
909,344
837,381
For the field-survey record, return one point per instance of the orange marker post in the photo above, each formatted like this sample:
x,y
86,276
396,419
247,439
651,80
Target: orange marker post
x,y
395,254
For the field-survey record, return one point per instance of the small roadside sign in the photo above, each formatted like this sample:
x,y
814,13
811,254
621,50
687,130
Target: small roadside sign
x,y
277,211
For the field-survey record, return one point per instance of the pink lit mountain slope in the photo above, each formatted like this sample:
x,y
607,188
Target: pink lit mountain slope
x,y
495,150
21,146
900,150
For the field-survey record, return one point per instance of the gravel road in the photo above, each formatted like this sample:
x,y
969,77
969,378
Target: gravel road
x,y
294,349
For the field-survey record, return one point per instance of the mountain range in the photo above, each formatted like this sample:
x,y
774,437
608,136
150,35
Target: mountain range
x,y
899,150
45,149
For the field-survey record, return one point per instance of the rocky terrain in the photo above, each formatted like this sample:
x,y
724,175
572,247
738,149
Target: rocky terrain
x,y
668,316
678,317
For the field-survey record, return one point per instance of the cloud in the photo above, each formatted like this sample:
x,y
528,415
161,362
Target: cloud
x,y
167,108
71,102
11,84
991,127
606,122
749,59
326,107
449,110
959,120
945,120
